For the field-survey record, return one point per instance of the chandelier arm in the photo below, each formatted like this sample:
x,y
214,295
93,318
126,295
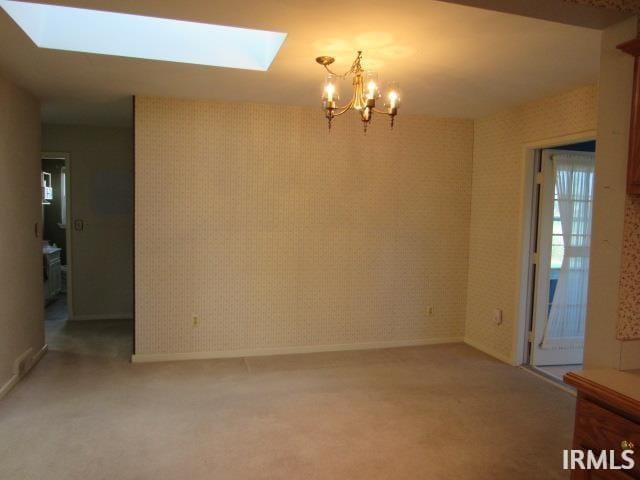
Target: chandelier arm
x,y
332,72
381,111
354,69
343,75
344,109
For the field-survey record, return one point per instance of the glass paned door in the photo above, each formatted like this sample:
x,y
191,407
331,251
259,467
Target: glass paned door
x,y
562,267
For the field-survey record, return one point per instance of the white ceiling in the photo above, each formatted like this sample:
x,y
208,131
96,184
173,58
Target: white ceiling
x,y
451,60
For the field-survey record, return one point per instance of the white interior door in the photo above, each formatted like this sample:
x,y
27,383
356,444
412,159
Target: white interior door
x,y
562,259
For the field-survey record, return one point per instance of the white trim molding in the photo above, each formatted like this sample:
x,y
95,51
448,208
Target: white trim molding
x,y
68,227
103,316
28,360
259,352
523,287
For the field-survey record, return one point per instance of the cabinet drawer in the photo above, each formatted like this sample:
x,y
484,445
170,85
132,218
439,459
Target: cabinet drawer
x,y
600,429
53,258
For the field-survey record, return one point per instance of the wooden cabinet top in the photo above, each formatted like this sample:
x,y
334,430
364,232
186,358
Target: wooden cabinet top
x,y
620,389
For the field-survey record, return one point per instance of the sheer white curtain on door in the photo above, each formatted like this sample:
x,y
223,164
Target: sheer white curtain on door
x,y
574,198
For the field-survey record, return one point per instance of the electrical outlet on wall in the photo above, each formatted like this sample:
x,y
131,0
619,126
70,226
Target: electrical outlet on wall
x,y
429,311
497,316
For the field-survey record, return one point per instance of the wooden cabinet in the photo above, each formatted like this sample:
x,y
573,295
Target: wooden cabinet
x,y
53,273
632,47
607,418
597,429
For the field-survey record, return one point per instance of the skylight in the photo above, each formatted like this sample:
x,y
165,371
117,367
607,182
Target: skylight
x,y
136,36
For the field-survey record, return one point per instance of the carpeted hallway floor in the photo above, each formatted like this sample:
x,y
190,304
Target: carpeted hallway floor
x,y
439,412
102,338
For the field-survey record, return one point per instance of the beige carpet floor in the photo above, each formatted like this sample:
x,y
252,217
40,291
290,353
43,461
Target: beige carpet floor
x,y
438,412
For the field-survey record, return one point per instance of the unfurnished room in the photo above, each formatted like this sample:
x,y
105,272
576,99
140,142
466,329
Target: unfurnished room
x,y
327,240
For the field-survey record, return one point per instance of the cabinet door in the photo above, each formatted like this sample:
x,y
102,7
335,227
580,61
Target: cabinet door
x,y
632,47
55,278
633,170
600,475
599,429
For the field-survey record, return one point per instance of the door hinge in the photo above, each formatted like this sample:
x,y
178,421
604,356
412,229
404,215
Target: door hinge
x,y
539,178
530,336
535,259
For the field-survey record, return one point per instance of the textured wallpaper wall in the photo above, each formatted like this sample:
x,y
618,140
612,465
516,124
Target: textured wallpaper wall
x,y
276,233
495,244
629,317
632,6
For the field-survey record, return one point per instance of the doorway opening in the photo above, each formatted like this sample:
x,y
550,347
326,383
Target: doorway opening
x,y
56,240
96,315
559,252
65,248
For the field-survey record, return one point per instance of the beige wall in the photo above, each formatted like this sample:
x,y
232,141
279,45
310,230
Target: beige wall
x,y
629,308
101,196
276,233
616,77
495,250
21,296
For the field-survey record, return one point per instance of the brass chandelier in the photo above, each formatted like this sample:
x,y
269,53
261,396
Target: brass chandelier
x,y
365,93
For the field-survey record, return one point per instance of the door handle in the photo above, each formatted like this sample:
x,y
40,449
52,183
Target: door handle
x,y
78,225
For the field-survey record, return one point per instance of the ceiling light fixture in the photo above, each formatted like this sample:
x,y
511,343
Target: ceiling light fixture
x,y
365,93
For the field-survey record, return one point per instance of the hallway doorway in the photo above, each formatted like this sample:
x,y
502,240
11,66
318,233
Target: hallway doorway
x,y
65,331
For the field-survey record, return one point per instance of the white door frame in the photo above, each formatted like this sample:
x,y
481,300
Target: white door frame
x,y
528,209
68,227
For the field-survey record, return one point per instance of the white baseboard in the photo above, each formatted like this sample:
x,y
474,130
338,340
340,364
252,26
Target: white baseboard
x,y
39,354
489,351
259,352
15,378
9,385
105,316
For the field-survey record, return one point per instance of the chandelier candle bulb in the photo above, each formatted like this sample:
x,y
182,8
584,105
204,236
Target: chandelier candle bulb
x,y
393,100
329,93
393,95
330,90
372,90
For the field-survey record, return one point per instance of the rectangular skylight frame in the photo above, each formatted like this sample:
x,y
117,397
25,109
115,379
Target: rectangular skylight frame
x,y
136,36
